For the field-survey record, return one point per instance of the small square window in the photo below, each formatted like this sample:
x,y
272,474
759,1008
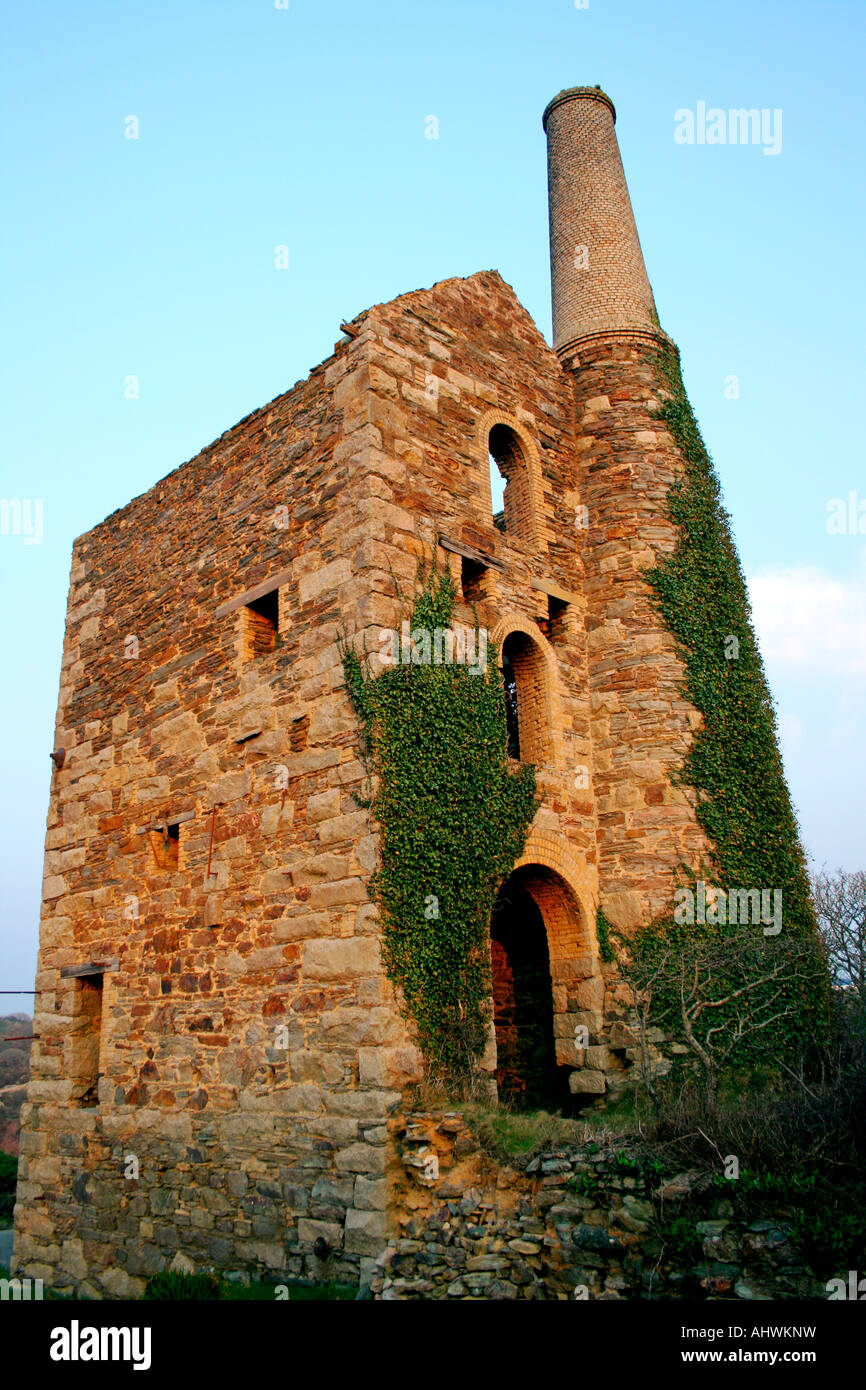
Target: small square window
x,y
472,580
557,619
260,628
165,843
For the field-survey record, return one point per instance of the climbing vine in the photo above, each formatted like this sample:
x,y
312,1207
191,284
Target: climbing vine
x,y
603,931
453,816
734,763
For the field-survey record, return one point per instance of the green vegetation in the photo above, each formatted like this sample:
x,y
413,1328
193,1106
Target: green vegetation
x,y
734,761
8,1179
756,997
298,1293
453,817
603,929
826,1215
169,1285
207,1286
587,1184
509,1134
681,1241
801,1149
506,1133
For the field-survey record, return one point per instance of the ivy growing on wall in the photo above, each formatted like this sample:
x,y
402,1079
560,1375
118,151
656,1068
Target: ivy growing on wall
x,y
453,816
734,763
603,930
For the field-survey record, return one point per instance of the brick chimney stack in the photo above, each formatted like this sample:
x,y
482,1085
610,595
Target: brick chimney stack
x,y
606,334
598,278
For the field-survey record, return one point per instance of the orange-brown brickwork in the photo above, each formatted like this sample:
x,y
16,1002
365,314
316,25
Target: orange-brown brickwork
x,y
598,277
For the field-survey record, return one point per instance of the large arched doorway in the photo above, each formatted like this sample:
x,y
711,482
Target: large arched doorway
x,y
526,1072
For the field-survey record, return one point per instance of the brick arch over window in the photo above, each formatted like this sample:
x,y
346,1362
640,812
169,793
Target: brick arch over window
x,y
563,890
535,667
519,461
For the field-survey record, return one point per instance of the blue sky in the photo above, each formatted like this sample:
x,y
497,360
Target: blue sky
x,y
305,127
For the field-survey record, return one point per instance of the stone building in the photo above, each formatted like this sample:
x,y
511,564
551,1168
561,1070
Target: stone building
x,y
219,1050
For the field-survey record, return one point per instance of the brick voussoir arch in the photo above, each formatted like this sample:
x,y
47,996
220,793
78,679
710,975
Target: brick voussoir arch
x,y
535,531
573,884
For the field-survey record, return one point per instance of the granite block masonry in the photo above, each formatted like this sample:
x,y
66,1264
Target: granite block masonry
x,y
220,1056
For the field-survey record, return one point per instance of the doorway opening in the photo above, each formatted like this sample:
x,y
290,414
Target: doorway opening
x,y
526,1073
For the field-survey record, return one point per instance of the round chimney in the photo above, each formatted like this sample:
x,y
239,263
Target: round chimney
x,y
598,278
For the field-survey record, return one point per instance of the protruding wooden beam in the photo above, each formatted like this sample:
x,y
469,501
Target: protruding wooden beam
x,y
480,557
92,967
267,586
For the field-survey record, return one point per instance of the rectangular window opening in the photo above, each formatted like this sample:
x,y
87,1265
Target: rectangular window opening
x,y
171,844
261,624
472,580
557,619
86,1040
165,843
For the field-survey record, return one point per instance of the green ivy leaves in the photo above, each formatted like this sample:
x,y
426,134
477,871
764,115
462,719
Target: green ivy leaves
x,y
453,817
734,761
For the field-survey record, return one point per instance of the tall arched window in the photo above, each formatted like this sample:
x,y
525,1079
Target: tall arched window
x,y
509,484
526,678
509,681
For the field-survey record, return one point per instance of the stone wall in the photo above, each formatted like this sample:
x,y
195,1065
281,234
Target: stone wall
x,y
218,1047
573,1221
642,726
441,381
218,1087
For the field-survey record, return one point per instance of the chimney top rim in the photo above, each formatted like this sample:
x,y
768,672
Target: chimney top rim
x,y
576,94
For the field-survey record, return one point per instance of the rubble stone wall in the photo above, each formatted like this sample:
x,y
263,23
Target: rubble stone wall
x,y
573,1222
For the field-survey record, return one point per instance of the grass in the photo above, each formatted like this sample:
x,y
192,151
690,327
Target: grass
x,y
191,1288
196,1288
506,1133
298,1293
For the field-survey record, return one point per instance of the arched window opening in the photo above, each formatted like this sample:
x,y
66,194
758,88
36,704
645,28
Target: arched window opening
x,y
509,682
509,483
497,492
524,675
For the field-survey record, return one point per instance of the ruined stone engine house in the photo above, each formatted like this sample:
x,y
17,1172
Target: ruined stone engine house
x,y
219,1052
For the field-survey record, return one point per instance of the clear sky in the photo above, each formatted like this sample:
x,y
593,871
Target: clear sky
x,y
306,127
